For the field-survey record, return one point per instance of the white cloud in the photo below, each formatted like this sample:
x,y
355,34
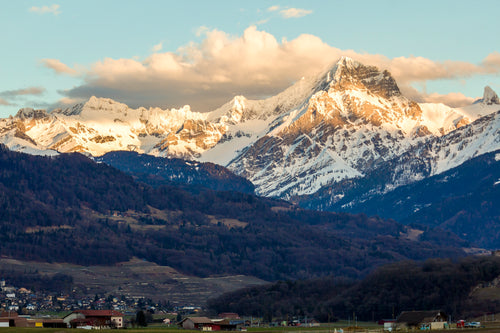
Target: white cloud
x,y
294,12
158,47
263,21
58,67
273,8
207,74
4,102
290,12
52,9
492,61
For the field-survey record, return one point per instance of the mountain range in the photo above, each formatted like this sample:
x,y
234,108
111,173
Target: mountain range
x,y
339,140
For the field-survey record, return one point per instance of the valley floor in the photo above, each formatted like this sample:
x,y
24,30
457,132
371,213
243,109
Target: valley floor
x,y
362,328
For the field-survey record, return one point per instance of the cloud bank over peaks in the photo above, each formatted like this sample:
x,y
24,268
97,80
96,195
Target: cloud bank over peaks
x,y
23,91
255,64
19,96
8,97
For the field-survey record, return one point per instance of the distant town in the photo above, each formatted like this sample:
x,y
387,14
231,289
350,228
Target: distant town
x,y
23,301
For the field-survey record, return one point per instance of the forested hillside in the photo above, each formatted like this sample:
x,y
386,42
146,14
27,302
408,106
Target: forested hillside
x,y
157,171
71,209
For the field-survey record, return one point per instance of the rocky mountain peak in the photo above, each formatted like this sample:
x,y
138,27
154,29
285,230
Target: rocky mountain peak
x,y
71,111
349,74
490,97
29,113
351,91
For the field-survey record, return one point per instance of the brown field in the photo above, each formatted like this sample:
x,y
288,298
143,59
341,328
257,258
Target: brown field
x,y
230,223
32,230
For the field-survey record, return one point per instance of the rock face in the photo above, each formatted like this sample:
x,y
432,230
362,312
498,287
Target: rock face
x,y
324,130
490,97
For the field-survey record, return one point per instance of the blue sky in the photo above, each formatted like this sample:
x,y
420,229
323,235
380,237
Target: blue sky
x,y
202,53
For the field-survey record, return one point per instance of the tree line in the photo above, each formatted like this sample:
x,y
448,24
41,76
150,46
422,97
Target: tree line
x,y
435,284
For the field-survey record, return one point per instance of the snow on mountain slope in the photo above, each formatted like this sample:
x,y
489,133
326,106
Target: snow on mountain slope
x,y
355,119
426,158
441,119
437,154
248,120
483,136
340,124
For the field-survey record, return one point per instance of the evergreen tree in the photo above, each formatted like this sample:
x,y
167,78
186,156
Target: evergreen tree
x,y
140,319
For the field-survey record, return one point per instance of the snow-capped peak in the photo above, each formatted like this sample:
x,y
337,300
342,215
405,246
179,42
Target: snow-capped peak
x,y
348,73
106,104
94,103
344,64
232,111
348,62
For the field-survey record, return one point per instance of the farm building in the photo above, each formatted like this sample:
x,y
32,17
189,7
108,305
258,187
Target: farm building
x,y
12,319
94,319
207,324
197,323
417,319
